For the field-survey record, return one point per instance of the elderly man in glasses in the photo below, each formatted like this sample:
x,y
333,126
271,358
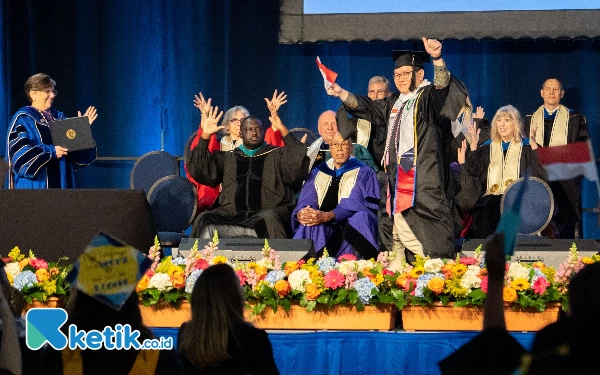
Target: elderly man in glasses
x,y
338,204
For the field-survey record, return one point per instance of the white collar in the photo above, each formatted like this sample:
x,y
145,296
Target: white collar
x,y
405,97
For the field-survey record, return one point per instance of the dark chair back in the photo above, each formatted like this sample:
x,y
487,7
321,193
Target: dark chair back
x,y
300,132
537,204
3,173
150,168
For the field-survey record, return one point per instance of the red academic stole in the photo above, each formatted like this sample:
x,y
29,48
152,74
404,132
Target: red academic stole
x,y
405,190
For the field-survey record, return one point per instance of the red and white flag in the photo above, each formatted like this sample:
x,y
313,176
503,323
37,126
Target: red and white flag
x,y
329,75
569,161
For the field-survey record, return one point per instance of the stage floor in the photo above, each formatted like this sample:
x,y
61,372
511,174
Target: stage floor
x,y
363,352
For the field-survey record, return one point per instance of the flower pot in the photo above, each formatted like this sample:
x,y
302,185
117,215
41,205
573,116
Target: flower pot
x,y
49,303
167,316
336,318
451,318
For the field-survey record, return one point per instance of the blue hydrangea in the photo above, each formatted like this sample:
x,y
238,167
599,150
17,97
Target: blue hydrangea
x,y
365,287
326,264
274,276
423,280
191,280
25,278
178,261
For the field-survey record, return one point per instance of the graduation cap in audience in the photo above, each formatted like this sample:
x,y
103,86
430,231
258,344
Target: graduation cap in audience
x,y
410,58
108,270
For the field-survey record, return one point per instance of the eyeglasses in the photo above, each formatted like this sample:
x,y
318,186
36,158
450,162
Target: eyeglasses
x,y
234,120
50,91
343,146
402,75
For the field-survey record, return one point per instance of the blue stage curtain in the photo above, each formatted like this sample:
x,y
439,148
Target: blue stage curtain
x,y
358,352
141,61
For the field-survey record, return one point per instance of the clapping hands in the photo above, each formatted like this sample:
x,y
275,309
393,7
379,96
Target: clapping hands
x,y
91,113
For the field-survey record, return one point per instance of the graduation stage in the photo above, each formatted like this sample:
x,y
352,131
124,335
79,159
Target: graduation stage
x,y
363,352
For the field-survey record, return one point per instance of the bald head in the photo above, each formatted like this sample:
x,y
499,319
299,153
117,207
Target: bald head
x,y
327,126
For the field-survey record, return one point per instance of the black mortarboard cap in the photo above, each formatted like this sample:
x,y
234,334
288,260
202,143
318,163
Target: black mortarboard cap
x,y
410,58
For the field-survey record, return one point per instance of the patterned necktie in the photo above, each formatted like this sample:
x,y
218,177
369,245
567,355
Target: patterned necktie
x,y
392,141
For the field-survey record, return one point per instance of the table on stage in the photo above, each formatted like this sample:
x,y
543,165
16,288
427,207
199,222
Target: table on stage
x,y
363,352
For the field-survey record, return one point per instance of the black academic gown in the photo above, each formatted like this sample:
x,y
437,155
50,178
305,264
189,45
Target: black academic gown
x,y
566,193
473,180
257,191
432,217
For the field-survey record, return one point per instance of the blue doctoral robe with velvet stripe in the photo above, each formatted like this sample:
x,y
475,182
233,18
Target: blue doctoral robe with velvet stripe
x,y
355,213
32,156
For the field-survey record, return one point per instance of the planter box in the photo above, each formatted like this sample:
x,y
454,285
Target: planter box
x,y
337,318
450,318
51,302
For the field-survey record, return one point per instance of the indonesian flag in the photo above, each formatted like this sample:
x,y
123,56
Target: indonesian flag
x,y
569,161
329,76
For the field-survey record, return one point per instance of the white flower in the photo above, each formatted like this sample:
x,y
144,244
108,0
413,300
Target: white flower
x,y
470,280
433,265
475,269
298,280
516,271
13,268
362,264
161,281
347,266
265,262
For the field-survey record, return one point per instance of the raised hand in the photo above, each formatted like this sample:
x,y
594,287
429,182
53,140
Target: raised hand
x,y
304,138
334,90
479,113
433,47
462,152
210,121
90,113
201,104
277,124
532,141
474,135
276,101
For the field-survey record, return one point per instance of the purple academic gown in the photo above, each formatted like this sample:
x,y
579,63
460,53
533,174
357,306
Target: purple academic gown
x,y
355,195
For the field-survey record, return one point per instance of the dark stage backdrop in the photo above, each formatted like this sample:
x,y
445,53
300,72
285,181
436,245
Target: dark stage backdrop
x,y
141,62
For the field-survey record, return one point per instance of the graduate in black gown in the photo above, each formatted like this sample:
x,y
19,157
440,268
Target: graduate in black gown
x,y
492,167
553,124
417,121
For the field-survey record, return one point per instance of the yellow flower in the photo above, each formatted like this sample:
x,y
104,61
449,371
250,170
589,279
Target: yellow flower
x,y
142,284
172,269
459,269
219,259
164,265
258,269
317,277
23,262
178,278
312,291
520,284
49,287
587,260
378,279
15,254
509,294
10,278
42,274
539,265
417,271
289,267
436,285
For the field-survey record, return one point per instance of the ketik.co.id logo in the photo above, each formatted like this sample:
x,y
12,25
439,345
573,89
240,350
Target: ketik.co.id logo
x,y
43,326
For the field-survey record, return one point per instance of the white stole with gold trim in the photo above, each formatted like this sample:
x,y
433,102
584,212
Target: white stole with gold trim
x,y
502,170
323,181
560,127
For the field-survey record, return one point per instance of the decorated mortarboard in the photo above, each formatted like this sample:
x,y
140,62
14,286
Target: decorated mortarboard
x,y
108,270
410,58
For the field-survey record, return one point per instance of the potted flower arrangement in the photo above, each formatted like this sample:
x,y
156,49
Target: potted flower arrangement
x,y
41,283
462,283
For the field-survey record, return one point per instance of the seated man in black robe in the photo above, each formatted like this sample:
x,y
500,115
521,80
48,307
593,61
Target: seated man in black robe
x,y
256,178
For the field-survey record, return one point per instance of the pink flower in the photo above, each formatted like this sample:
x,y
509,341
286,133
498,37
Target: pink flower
x,y
346,257
241,276
540,285
468,261
484,284
150,273
387,272
334,279
7,260
301,262
201,264
350,279
38,263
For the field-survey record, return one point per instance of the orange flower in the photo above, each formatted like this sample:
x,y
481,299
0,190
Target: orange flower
x,y
290,267
178,279
23,262
142,284
587,260
436,285
312,291
509,294
283,288
54,271
42,274
539,265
